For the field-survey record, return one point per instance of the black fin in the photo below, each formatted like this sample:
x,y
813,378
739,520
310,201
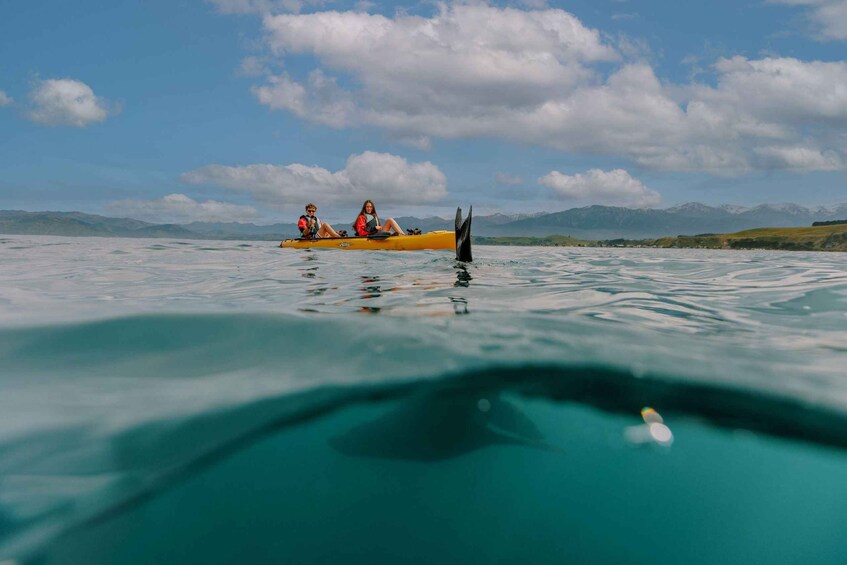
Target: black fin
x,y
463,236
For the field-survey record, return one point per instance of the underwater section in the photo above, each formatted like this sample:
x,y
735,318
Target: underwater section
x,y
508,473
227,402
122,426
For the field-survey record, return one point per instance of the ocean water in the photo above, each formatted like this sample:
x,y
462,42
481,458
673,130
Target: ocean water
x,y
232,402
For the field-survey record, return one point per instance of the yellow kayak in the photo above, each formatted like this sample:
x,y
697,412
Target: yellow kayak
x,y
429,240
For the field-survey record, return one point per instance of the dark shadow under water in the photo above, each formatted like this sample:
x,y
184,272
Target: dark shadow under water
x,y
444,427
441,425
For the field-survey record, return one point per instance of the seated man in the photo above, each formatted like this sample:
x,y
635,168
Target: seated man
x,y
311,227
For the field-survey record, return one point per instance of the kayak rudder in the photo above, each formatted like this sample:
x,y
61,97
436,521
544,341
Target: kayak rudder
x,y
463,236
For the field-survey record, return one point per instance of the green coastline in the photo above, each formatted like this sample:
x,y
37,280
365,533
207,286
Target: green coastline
x,y
812,238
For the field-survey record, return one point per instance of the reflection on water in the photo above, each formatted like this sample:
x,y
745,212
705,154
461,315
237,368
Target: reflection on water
x,y
460,305
463,277
370,289
318,290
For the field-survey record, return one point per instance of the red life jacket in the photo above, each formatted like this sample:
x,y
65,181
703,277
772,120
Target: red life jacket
x,y
363,226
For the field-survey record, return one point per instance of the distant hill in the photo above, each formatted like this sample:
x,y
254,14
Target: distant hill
x,y
482,225
68,223
588,223
606,222
424,224
230,230
80,224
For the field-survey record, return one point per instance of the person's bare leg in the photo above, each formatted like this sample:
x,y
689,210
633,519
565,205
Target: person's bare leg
x,y
326,230
390,224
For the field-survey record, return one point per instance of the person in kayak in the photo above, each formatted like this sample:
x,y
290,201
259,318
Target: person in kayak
x,y
311,227
367,223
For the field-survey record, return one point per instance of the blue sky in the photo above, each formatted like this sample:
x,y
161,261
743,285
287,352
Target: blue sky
x,y
243,110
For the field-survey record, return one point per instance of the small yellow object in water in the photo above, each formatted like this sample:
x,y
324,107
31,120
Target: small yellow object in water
x,y
650,416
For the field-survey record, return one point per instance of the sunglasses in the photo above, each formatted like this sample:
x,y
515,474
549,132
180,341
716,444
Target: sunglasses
x,y
312,210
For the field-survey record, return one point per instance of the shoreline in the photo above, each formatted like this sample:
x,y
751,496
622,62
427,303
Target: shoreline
x,y
831,237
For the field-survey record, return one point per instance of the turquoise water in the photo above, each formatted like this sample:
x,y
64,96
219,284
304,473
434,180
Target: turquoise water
x,y
220,402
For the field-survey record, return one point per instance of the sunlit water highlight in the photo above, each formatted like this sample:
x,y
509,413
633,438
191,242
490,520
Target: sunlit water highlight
x,y
204,402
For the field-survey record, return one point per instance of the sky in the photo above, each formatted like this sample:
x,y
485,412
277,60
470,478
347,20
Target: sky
x,y
245,110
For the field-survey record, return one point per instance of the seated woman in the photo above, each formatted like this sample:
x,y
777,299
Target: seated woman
x,y
311,227
367,223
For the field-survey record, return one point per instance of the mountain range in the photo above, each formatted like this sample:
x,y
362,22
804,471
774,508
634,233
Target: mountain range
x,y
591,222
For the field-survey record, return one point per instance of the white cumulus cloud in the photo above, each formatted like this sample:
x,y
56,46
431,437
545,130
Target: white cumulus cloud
x,y
542,77
179,208
760,104
67,102
828,17
615,188
410,67
5,99
319,100
383,177
252,67
801,158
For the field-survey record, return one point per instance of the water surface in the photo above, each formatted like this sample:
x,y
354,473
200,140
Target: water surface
x,y
232,401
